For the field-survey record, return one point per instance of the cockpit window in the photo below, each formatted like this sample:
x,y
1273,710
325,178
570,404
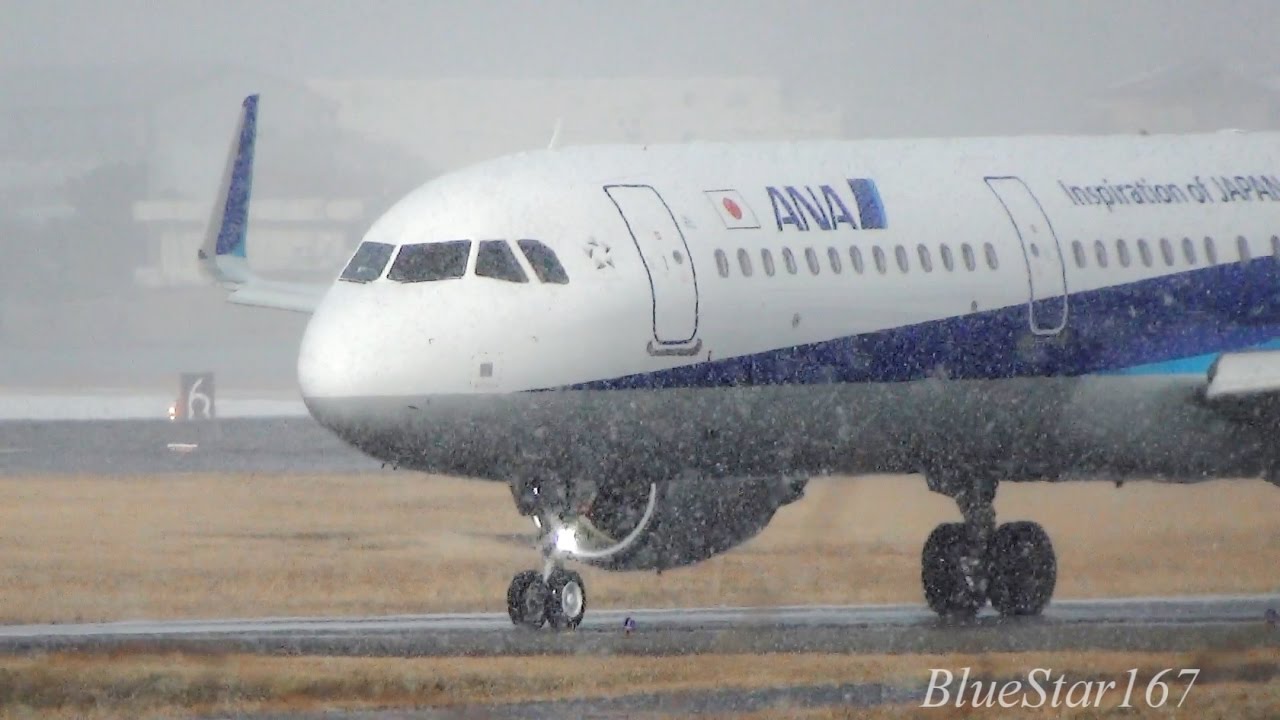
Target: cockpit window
x,y
368,262
544,261
425,262
495,260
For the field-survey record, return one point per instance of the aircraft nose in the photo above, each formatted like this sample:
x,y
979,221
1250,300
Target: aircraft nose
x,y
366,346
338,354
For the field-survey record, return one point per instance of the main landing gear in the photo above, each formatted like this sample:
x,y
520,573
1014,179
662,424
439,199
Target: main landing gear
x,y
556,596
964,565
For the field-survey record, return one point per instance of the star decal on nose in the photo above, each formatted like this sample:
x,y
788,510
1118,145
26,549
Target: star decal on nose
x,y
600,253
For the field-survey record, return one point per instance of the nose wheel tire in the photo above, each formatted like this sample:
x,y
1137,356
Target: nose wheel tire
x,y
527,599
567,599
1024,569
560,601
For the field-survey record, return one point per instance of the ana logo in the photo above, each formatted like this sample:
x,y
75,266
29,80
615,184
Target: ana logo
x,y
825,207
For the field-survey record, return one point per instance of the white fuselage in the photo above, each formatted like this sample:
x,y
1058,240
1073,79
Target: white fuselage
x,y
973,302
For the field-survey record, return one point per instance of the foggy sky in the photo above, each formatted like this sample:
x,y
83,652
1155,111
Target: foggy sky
x,y
947,67
960,52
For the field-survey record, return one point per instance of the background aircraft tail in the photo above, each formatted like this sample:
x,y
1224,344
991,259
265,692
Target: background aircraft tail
x,y
224,254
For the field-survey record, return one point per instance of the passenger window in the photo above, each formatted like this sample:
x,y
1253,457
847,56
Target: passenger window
x,y
1144,252
1077,249
1166,251
948,262
722,263
855,257
1122,253
744,262
1189,250
494,259
544,262
1100,250
989,250
926,261
900,253
833,257
766,259
789,260
811,258
428,262
1210,252
970,262
1275,246
1242,245
878,255
368,262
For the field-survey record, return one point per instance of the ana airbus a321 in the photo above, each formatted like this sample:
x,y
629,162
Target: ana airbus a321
x,y
656,346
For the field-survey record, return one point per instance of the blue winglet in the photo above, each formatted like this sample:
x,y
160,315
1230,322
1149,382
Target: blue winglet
x,y
235,213
223,253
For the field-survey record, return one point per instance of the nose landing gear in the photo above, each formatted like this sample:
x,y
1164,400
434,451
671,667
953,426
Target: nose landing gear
x,y
556,596
560,600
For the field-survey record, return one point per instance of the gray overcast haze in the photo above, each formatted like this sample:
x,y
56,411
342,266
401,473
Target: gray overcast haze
x,y
1022,44
970,52
113,114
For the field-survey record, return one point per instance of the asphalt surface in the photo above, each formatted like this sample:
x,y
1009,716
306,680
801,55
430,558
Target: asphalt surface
x,y
1155,624
137,447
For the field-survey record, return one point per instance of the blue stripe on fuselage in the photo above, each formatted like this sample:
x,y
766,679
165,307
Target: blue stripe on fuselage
x,y
1198,365
1179,318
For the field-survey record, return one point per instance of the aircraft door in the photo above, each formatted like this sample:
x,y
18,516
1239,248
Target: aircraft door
x,y
1046,271
673,281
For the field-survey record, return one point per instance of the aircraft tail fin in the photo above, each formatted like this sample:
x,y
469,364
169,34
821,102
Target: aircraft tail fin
x,y
224,253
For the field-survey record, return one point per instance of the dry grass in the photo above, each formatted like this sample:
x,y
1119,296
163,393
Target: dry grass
x,y
80,549
1226,701
125,685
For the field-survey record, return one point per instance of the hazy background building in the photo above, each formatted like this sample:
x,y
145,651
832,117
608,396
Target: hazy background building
x,y
115,119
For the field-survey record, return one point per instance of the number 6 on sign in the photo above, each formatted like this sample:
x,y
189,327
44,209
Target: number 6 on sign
x,y
196,397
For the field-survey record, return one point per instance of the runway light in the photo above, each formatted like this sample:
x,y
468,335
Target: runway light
x,y
566,540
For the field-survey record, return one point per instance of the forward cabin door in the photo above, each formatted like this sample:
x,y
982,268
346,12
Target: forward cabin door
x,y
673,282
1046,271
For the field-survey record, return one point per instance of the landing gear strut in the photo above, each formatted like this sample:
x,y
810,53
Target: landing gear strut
x,y
968,563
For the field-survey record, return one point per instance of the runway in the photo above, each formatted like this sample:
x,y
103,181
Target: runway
x,y
1202,624
1151,624
294,444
